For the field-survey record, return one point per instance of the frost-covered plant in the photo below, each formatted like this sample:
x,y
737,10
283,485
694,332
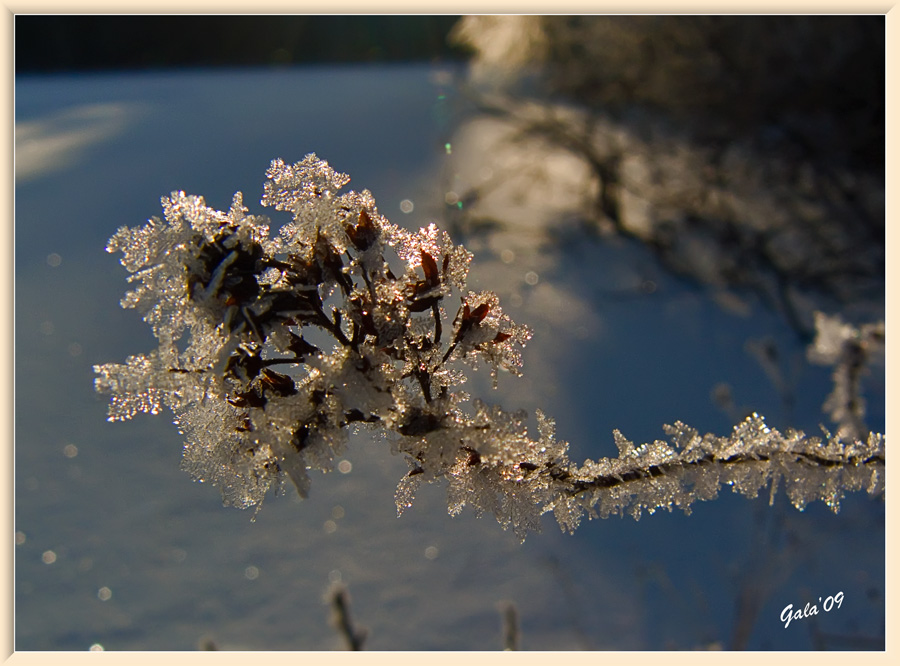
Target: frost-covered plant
x,y
271,348
850,350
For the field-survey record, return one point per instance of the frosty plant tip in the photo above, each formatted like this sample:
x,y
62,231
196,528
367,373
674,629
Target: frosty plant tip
x,y
273,346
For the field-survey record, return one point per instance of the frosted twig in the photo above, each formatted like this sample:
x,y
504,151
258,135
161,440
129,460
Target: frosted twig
x,y
510,619
851,351
340,604
228,304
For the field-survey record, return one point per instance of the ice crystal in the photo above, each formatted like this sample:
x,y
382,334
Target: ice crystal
x,y
229,304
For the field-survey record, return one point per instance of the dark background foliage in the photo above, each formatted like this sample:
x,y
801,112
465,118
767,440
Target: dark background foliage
x,y
71,43
821,77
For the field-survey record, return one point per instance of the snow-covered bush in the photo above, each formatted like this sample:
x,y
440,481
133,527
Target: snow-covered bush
x,y
272,347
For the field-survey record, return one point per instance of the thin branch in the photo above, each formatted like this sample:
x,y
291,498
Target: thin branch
x,y
340,604
510,618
